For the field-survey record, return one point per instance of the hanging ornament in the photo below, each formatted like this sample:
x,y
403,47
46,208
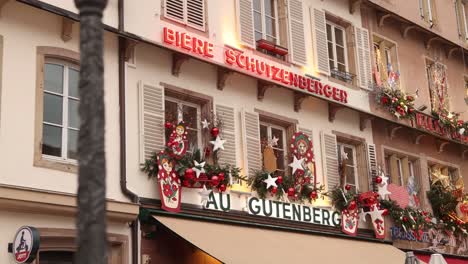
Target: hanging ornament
x,y
296,164
385,212
352,205
218,143
378,180
204,195
291,191
313,195
215,180
168,125
199,167
274,190
279,179
347,187
377,221
221,176
215,132
222,188
269,159
189,174
178,140
273,142
205,123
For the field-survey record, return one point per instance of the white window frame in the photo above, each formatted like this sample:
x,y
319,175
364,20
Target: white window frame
x,y
65,98
264,16
341,147
269,126
335,60
180,104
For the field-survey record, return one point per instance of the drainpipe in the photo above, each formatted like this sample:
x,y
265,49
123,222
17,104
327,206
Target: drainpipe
x,y
123,150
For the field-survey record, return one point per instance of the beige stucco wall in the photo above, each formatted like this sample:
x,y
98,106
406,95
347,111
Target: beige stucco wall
x,y
154,66
411,57
23,29
445,26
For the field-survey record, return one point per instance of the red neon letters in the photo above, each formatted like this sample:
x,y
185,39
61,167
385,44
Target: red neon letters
x,y
185,41
280,75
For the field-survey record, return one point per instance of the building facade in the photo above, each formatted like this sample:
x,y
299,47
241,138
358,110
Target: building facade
x,y
235,123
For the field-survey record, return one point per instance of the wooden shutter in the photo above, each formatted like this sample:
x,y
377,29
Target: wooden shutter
x,y
433,8
297,35
321,46
372,165
174,9
421,8
196,13
330,160
363,56
306,131
245,25
394,177
226,115
405,170
362,167
151,119
459,17
251,142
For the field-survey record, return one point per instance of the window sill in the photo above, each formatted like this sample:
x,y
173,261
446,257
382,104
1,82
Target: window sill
x,y
49,163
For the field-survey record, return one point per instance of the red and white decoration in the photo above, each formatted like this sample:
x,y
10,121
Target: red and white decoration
x,y
303,161
169,183
178,140
25,244
350,219
378,223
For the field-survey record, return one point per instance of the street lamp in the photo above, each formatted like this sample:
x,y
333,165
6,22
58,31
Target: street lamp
x,y
91,222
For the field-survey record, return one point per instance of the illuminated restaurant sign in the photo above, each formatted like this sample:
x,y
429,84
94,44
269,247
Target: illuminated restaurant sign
x,y
432,125
254,66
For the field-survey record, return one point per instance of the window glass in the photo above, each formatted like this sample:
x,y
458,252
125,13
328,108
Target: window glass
x,y
73,116
52,140
265,24
73,78
190,114
72,144
336,48
53,108
339,37
53,78
267,133
56,257
348,164
269,8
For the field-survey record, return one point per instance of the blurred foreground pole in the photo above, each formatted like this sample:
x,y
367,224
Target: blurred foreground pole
x,y
91,222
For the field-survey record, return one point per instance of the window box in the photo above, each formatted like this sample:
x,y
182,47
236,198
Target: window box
x,y
271,47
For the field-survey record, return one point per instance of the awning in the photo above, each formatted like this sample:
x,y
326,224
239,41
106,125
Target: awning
x,y
235,244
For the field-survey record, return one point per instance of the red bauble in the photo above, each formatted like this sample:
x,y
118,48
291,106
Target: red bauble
x,y
385,212
215,131
405,219
279,180
168,125
378,180
215,180
189,173
221,176
347,187
291,191
185,183
352,205
313,195
222,188
274,190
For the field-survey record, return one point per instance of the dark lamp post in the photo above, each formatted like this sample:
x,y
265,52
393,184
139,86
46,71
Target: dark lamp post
x,y
91,222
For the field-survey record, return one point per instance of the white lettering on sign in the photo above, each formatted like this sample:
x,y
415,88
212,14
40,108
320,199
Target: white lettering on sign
x,y
293,212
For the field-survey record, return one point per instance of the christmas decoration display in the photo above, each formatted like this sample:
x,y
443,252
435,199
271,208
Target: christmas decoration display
x,y
399,194
396,102
301,185
377,220
176,167
169,183
451,121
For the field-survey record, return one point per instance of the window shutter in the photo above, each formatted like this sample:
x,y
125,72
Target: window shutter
x,y
306,131
245,24
433,8
458,16
174,9
363,54
394,177
421,8
151,119
372,159
321,46
362,167
405,170
196,13
226,115
296,27
330,160
251,143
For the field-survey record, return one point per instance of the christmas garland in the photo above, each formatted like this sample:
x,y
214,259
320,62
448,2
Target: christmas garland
x,y
451,121
284,186
396,102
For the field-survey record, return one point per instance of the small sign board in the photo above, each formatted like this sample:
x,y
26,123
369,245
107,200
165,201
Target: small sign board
x,y
25,244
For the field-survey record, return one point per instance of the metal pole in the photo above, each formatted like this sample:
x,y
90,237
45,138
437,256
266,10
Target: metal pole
x,y
91,222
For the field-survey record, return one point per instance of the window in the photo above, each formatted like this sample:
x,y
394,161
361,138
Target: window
x,y
427,11
269,131
438,86
188,12
178,110
385,62
400,168
461,12
61,121
55,257
348,164
337,54
451,172
265,15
